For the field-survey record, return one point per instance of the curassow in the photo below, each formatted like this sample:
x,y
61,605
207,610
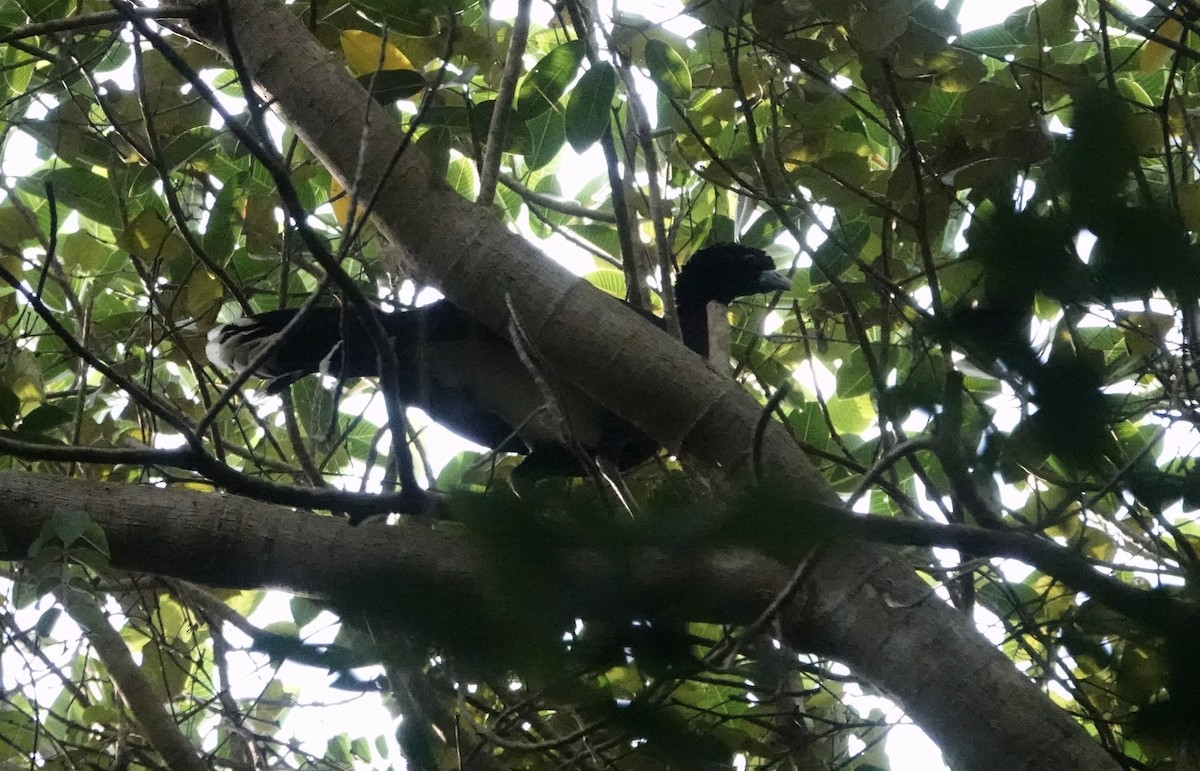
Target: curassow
x,y
472,381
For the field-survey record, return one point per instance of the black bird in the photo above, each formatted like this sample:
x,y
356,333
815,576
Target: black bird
x,y
471,380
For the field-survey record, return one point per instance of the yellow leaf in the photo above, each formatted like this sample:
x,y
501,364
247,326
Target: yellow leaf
x,y
1154,54
202,294
339,199
362,51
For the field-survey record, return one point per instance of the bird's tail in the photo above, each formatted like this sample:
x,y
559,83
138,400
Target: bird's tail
x,y
314,344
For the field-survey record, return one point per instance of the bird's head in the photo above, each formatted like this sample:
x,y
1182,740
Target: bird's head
x,y
724,272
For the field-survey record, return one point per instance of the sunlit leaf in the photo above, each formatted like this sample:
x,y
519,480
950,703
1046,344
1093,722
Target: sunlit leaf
x,y
589,110
463,177
547,135
18,69
90,194
548,80
608,281
366,53
668,70
1154,54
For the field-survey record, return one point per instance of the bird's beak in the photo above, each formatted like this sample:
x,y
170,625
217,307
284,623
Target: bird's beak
x,y
773,280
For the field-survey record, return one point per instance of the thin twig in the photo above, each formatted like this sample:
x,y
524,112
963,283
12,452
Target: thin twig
x,y
498,128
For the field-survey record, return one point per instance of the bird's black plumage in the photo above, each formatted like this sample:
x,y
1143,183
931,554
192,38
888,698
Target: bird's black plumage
x,y
470,379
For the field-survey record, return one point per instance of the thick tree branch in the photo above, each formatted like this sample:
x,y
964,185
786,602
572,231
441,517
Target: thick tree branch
x,y
431,577
229,541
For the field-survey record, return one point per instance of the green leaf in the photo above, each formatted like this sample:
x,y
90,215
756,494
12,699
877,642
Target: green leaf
x,y
408,17
167,668
388,86
150,239
854,377
458,470
11,16
45,10
69,525
722,229
548,80
44,418
10,405
82,255
608,281
547,135
201,293
1054,20
316,409
589,110
46,622
220,237
187,145
337,749
89,194
516,134
18,69
998,41
361,749
303,611
97,553
604,237
461,176
839,252
668,70
549,185
15,229
852,415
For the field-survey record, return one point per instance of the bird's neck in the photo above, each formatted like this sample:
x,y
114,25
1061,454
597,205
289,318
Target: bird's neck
x,y
693,324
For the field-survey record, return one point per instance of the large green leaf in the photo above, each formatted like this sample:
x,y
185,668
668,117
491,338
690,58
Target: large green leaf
x,y
548,80
589,110
668,70
89,194
547,135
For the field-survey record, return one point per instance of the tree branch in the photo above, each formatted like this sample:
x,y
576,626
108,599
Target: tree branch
x,y
357,506
434,578
497,130
137,692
